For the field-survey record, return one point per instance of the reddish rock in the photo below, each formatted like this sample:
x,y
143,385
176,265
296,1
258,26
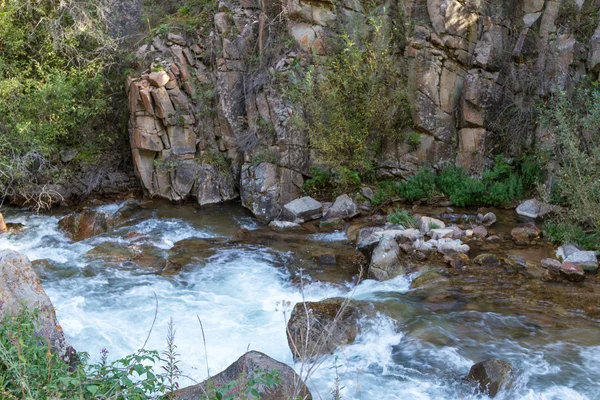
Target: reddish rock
x,y
3,228
551,264
551,276
480,232
572,272
85,224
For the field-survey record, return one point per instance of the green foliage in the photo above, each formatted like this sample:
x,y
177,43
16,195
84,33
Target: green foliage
x,y
413,139
265,156
355,99
569,232
502,185
243,389
53,84
402,217
331,182
187,15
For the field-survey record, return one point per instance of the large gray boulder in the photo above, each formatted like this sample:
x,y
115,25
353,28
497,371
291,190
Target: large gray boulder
x,y
533,208
303,209
318,328
385,261
490,376
344,207
21,290
587,260
246,368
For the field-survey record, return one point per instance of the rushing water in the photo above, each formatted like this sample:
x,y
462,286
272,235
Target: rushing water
x,y
407,351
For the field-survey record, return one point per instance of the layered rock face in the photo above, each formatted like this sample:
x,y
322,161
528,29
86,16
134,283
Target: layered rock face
x,y
211,119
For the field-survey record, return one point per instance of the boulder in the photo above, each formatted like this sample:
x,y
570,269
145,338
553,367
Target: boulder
x,y
572,272
566,250
3,228
488,219
367,192
427,223
285,226
246,368
88,223
525,233
533,208
158,79
318,328
587,260
21,290
344,207
385,262
304,209
491,376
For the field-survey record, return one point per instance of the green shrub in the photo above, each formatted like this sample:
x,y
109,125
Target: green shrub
x,y
419,187
386,190
569,232
413,139
402,217
333,182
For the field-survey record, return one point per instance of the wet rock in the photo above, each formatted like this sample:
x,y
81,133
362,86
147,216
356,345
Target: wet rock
x,y
284,226
171,268
193,250
566,250
3,228
551,276
551,264
572,272
487,260
441,233
488,219
304,209
427,223
480,232
88,223
587,260
326,259
428,278
385,262
491,376
317,328
344,207
494,238
457,261
20,289
367,192
247,367
352,232
533,208
335,223
525,233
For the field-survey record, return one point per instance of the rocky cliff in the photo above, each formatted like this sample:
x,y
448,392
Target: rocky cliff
x,y
210,119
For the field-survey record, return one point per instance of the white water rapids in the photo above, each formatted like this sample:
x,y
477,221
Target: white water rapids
x,y
407,352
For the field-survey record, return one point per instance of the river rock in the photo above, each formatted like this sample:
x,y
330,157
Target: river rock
x,y
480,232
587,260
487,260
318,328
88,223
284,226
572,272
446,246
3,228
344,207
427,223
367,192
303,209
488,219
20,289
385,262
551,264
491,376
533,208
525,233
566,250
243,370
428,278
441,233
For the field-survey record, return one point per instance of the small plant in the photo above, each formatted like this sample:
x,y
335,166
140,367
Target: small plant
x,y
265,156
334,182
433,225
402,217
413,139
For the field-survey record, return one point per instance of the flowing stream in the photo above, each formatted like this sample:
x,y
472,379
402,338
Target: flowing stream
x,y
404,351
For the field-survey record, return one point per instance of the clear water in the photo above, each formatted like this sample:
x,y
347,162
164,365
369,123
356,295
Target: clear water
x,y
403,352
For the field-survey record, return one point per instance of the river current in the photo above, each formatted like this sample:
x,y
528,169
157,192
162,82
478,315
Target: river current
x,y
241,295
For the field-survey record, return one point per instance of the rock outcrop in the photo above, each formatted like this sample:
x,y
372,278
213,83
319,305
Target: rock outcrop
x,y
21,290
246,368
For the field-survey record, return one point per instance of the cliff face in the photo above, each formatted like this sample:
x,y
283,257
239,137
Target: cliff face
x,y
210,119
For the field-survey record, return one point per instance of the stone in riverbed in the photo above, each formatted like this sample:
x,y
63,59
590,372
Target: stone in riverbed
x,y
328,324
566,250
491,376
86,224
488,219
344,207
284,226
587,260
385,262
243,370
20,289
427,223
480,232
441,233
525,233
305,209
551,264
487,260
572,272
533,208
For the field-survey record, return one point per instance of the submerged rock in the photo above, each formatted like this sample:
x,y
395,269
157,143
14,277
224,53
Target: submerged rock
x,y
84,225
284,226
525,233
385,262
491,376
317,328
487,260
20,290
246,368
304,209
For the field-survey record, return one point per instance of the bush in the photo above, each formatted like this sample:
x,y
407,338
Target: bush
x,y
402,217
569,232
331,183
